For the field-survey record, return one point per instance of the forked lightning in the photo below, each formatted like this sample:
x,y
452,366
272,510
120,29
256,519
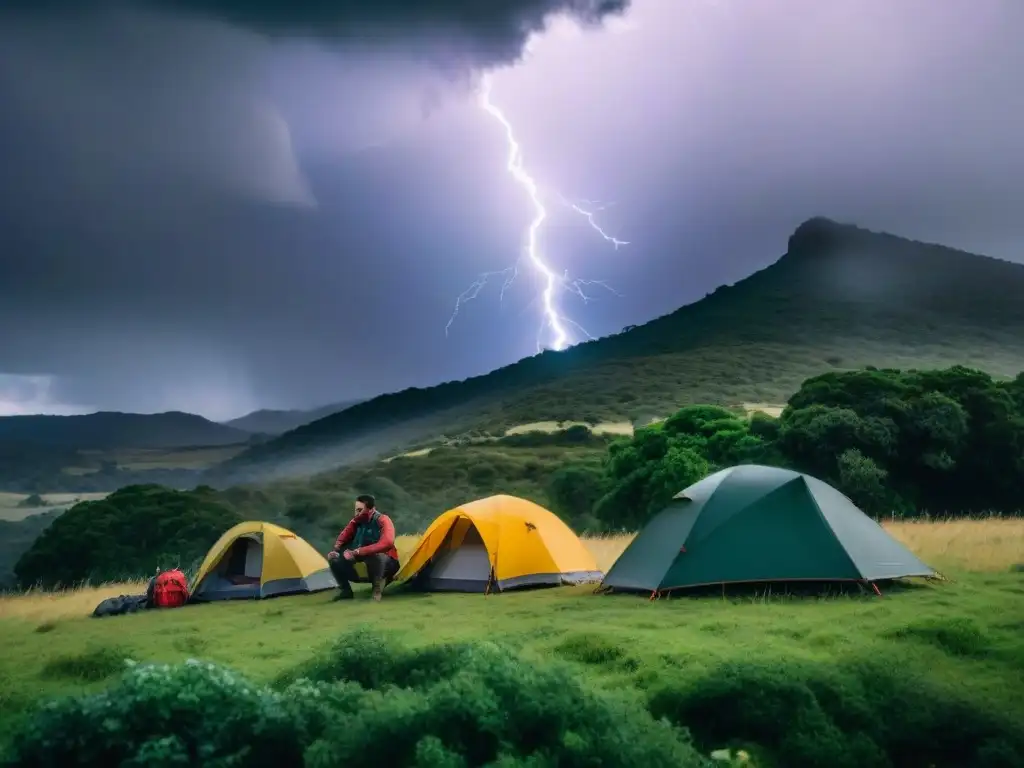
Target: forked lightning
x,y
553,321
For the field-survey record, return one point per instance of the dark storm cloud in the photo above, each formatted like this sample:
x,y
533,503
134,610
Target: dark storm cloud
x,y
456,34
220,207
489,32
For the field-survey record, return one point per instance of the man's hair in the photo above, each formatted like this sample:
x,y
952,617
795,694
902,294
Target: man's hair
x,y
368,500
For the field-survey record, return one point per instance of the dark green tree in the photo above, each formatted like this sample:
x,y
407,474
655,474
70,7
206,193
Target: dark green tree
x,y
574,490
644,473
126,535
948,440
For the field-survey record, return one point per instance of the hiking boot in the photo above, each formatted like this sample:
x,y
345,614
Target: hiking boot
x,y
343,594
378,589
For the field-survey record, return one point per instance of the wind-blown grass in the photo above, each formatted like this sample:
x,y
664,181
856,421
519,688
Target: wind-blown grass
x,y
960,640
990,545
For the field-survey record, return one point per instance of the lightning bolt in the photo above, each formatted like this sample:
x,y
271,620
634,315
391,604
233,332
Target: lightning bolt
x,y
553,320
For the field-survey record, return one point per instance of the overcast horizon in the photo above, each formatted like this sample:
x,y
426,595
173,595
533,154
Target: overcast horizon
x,y
216,215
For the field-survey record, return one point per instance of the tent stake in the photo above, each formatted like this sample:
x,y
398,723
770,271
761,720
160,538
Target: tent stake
x,y
877,590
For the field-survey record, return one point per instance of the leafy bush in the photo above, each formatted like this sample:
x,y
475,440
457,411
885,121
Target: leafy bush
x,y
159,715
574,489
861,715
480,704
453,705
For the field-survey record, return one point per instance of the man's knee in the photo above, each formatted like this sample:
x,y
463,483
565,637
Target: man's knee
x,y
381,566
341,569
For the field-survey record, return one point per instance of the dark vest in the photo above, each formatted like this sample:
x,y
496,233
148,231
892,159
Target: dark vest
x,y
367,532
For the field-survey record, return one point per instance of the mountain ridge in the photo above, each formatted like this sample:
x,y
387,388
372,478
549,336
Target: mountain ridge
x,y
104,430
840,296
272,421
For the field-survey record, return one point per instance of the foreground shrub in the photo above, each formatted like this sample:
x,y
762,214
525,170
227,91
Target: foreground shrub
x,y
476,705
363,703
862,715
159,715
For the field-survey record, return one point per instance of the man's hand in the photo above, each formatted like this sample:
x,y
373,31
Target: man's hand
x,y
349,555
332,555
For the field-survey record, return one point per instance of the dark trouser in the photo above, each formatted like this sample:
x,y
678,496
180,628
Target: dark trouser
x,y
380,567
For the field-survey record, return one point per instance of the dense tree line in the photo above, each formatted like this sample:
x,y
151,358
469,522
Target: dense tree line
x,y
131,532
906,442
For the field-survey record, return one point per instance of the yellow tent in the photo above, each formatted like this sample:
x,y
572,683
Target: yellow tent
x,y
498,543
255,560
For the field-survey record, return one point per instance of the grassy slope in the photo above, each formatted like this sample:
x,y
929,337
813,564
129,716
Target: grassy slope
x,y
839,298
414,488
965,635
142,459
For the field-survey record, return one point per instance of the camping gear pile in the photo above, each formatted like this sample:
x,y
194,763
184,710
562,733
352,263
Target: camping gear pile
x,y
168,589
745,524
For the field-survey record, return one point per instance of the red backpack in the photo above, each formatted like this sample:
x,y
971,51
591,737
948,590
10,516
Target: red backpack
x,y
170,589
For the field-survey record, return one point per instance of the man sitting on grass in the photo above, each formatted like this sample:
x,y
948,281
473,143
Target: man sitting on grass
x,y
369,538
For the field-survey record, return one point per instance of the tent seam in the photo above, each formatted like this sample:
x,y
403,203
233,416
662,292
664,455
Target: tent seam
x,y
842,544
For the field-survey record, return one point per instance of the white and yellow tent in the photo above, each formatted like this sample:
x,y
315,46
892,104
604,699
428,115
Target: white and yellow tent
x,y
495,544
254,560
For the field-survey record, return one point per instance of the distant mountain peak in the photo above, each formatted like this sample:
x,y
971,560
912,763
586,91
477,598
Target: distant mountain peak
x,y
820,236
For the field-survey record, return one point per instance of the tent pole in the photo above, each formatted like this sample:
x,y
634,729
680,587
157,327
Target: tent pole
x,y
875,587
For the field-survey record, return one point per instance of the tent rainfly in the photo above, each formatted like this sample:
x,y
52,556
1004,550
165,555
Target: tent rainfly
x,y
496,544
255,560
759,524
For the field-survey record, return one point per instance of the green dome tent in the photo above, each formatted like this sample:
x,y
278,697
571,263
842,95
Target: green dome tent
x,y
759,524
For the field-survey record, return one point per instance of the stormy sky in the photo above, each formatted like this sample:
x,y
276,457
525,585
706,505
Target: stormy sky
x,y
218,206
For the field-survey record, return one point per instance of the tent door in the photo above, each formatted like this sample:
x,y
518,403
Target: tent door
x,y
461,564
243,562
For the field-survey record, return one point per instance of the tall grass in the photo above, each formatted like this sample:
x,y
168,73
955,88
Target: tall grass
x,y
981,545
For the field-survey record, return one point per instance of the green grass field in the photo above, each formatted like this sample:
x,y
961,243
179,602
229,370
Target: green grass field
x,y
141,459
964,637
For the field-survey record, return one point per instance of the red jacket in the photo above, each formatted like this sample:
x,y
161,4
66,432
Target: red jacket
x,y
386,544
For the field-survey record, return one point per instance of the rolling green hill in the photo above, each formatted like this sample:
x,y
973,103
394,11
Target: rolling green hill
x,y
840,297
111,430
